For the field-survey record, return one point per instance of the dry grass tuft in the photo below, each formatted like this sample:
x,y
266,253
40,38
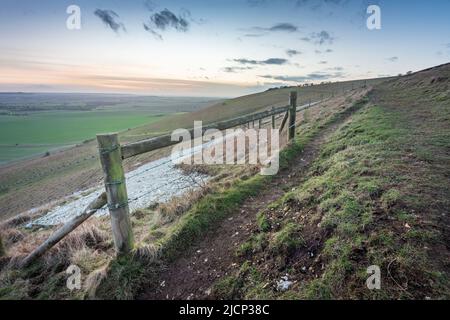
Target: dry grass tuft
x,y
93,281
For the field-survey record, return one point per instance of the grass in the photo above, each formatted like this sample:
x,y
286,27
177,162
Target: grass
x,y
287,239
377,195
122,278
220,203
80,165
37,132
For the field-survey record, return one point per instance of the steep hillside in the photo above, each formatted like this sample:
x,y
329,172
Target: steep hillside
x,y
164,230
369,188
37,182
365,182
378,194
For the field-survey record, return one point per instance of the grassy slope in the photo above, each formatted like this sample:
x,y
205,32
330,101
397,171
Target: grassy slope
x,y
91,246
366,201
130,274
36,182
378,195
23,136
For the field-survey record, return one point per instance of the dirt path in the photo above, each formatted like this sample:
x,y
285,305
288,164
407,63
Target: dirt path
x,y
192,275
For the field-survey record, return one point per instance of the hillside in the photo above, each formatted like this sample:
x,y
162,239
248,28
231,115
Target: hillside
x,y
364,183
370,188
37,182
376,193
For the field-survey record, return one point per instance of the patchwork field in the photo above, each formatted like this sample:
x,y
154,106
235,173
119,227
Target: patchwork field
x,y
24,136
37,124
40,180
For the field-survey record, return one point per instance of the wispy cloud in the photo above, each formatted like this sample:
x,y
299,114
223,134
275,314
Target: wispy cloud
x,y
286,27
109,18
392,59
292,52
270,61
316,76
322,37
236,69
166,19
279,27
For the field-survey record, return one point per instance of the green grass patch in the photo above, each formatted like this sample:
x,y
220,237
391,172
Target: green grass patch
x,y
38,132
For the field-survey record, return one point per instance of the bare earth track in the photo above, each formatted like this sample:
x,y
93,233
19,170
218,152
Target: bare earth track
x,y
192,275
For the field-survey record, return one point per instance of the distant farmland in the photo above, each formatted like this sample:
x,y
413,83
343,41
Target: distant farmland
x,y
33,124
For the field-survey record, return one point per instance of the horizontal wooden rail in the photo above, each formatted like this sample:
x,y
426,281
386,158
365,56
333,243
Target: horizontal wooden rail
x,y
134,149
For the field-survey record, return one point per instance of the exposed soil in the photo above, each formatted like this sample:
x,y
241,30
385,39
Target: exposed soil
x,y
192,275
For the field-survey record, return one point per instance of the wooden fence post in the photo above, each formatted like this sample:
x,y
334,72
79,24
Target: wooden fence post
x,y
116,191
259,123
273,120
292,115
283,122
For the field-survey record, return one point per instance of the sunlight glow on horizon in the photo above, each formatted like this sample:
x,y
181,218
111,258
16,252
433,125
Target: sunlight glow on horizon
x,y
229,49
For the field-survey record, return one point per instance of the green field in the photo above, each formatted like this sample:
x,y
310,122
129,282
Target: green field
x,y
38,132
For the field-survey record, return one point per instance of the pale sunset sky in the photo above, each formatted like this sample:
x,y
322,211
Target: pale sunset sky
x,y
213,48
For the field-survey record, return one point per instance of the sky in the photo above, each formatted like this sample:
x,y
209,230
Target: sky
x,y
213,48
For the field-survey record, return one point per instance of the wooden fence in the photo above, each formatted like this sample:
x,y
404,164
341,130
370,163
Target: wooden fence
x,y
116,198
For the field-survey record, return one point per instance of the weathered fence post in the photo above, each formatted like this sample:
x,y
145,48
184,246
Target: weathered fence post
x,y
292,114
116,191
259,123
273,119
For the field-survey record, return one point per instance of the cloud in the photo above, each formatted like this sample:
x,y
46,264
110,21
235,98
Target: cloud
x,y
287,27
336,69
109,18
254,35
329,51
236,69
292,52
323,62
322,37
153,32
270,61
279,27
309,77
306,39
392,59
166,19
